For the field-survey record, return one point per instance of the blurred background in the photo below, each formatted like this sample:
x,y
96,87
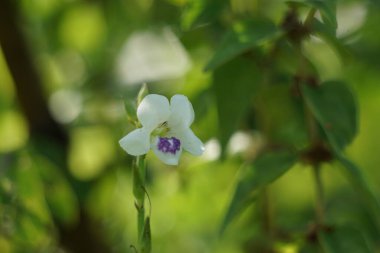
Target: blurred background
x,y
66,68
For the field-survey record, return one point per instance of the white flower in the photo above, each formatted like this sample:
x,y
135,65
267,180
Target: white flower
x,y
165,129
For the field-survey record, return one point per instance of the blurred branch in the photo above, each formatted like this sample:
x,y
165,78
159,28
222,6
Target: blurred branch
x,y
27,82
82,237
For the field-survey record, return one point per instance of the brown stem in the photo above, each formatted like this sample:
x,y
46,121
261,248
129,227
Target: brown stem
x,y
45,132
27,82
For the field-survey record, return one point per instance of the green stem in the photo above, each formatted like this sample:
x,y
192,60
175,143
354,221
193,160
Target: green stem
x,y
303,63
139,178
139,194
319,202
310,17
313,131
140,222
267,216
311,125
314,139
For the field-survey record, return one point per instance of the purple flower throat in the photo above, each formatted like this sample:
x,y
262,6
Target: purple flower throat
x,y
169,145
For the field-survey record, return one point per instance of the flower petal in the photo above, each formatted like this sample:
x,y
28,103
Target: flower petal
x,y
182,112
190,142
153,110
136,142
166,157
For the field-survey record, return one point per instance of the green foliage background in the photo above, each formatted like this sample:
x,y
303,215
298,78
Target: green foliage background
x,y
296,96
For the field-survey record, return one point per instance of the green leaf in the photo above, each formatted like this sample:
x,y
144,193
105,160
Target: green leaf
x,y
58,194
273,108
266,169
326,8
233,85
144,91
334,107
201,12
130,109
343,240
243,36
309,247
361,185
328,35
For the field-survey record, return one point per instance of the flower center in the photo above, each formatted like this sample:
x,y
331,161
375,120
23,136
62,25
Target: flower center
x,y
168,145
161,130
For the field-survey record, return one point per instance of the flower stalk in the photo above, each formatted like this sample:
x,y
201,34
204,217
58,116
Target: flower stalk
x,y
143,223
